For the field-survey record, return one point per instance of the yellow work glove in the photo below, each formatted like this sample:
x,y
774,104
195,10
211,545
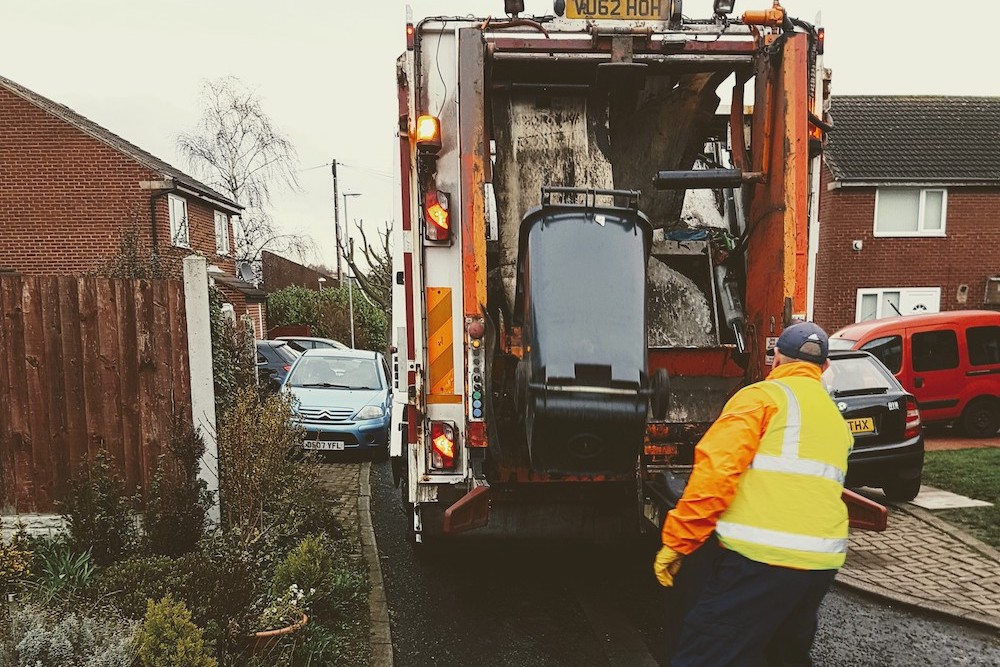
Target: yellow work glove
x,y
666,565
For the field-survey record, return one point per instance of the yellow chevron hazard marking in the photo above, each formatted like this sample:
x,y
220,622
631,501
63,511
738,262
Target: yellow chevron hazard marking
x,y
440,339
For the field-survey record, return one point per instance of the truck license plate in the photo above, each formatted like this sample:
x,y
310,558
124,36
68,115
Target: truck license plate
x,y
861,425
324,445
626,10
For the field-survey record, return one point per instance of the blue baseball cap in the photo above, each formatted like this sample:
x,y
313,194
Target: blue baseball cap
x,y
805,341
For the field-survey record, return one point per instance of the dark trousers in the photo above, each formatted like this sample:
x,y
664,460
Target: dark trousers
x,y
729,611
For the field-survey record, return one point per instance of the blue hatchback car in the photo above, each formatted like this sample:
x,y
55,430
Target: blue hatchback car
x,y
343,399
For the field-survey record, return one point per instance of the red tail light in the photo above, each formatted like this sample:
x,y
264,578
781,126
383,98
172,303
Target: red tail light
x,y
286,368
913,426
477,434
438,219
443,445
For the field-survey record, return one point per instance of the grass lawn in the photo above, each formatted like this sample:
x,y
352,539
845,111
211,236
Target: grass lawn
x,y
974,473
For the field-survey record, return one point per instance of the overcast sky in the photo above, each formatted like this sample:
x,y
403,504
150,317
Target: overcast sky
x,y
324,70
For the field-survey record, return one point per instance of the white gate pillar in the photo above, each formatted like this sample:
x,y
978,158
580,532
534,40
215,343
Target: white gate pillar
x,y
199,335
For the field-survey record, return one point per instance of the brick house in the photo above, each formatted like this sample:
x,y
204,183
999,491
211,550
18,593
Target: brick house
x,y
909,208
70,190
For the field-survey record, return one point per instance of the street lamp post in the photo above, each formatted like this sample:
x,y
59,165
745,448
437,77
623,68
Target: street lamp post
x,y
350,271
321,281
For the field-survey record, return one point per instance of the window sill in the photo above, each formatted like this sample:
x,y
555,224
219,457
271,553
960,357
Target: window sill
x,y
909,235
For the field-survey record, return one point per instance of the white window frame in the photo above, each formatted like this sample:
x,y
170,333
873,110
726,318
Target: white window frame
x,y
222,241
175,239
919,231
879,292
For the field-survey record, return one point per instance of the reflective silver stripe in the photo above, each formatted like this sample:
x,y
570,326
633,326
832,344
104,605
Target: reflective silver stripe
x,y
797,467
777,538
793,424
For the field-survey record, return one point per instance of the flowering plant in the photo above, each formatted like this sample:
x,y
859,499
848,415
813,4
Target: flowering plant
x,y
286,610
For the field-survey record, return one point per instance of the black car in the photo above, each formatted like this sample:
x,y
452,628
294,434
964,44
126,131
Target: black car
x,y
274,360
888,439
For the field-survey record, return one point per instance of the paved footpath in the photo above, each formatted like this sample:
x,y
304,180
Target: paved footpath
x,y
349,484
927,563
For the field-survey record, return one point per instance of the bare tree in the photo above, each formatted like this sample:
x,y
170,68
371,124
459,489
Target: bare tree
x,y
376,279
238,150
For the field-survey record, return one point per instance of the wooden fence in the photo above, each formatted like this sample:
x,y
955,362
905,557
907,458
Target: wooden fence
x,y
86,364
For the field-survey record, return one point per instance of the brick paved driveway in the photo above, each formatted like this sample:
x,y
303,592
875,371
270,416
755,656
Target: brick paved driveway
x,y
923,561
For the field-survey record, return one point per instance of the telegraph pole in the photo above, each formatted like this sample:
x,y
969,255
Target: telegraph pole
x,y
336,222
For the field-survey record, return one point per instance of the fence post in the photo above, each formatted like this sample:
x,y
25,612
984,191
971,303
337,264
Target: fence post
x,y
199,333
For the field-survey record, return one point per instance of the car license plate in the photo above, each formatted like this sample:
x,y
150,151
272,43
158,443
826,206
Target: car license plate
x,y
626,10
324,445
861,425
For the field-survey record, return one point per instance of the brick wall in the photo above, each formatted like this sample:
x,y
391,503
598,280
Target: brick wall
x,y
66,197
966,255
280,273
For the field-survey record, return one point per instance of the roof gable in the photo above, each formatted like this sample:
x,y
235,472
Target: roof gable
x,y
111,139
915,139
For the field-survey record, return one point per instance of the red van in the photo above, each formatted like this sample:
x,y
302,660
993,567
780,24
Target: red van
x,y
950,361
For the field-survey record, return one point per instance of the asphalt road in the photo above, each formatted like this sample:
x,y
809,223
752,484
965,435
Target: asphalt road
x,y
502,603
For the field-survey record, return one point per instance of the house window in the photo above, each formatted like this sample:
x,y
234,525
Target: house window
x,y
876,303
221,233
180,233
910,212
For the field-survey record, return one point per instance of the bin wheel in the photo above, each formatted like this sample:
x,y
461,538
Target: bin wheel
x,y
520,387
659,402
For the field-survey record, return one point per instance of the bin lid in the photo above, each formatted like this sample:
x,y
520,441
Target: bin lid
x,y
582,291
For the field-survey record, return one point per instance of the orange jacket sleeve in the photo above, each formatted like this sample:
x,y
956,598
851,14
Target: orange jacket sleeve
x,y
723,453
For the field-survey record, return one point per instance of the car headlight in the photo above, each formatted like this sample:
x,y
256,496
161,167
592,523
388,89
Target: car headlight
x,y
369,412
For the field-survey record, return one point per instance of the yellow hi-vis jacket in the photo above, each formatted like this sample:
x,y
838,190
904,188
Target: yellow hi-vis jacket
x,y
769,474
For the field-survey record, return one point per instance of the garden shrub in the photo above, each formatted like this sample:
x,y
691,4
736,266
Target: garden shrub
x,y
234,360
98,514
218,594
327,312
15,560
169,638
174,519
80,638
309,567
128,584
255,469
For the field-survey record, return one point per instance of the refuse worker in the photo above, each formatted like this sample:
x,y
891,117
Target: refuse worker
x,y
764,500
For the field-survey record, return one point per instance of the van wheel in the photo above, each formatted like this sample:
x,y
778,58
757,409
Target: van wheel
x,y
902,490
981,417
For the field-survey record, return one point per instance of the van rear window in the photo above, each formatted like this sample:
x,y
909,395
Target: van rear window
x,y
984,345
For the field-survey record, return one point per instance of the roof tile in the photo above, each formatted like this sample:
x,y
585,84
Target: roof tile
x,y
915,138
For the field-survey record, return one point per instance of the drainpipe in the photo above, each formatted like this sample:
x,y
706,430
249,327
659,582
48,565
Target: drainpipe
x,y
157,189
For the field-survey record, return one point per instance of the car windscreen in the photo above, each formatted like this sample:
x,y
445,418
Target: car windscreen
x,y
842,344
857,376
335,373
285,353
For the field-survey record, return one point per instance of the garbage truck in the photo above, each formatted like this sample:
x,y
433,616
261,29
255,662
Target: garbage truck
x,y
592,253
